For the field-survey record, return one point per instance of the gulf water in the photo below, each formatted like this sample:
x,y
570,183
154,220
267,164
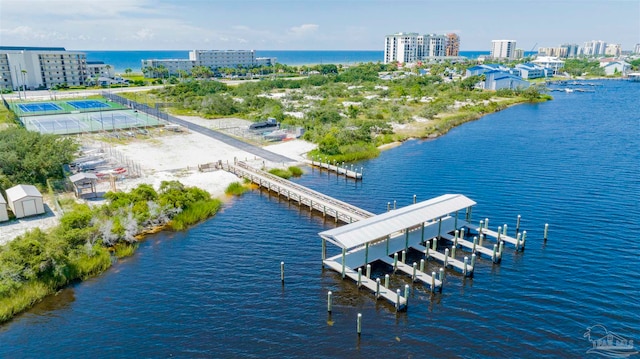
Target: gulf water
x,y
121,60
214,291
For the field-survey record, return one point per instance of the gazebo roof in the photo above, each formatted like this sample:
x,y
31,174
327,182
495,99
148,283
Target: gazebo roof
x,y
83,176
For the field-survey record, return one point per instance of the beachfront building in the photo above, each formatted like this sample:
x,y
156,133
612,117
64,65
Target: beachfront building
x,y
549,62
636,50
41,67
99,69
594,48
25,200
530,71
213,59
614,50
503,49
410,47
452,47
401,47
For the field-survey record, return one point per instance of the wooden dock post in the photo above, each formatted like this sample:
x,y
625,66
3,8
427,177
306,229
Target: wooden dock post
x,y
546,229
397,299
481,241
395,261
486,223
369,271
442,274
517,241
426,250
504,230
461,233
422,265
404,256
406,294
475,243
434,245
414,199
359,324
282,271
329,300
473,262
344,254
480,227
501,248
388,206
446,257
499,230
377,288
386,281
359,277
453,250
464,270
518,224
394,204
524,239
493,256
415,267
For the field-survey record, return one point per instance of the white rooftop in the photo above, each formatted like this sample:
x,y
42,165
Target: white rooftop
x,y
22,191
82,175
374,228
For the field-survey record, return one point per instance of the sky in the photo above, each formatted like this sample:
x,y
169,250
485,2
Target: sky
x,y
310,24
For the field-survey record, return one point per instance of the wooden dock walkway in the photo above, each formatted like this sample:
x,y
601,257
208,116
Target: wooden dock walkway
x,y
398,301
493,234
481,250
328,206
337,169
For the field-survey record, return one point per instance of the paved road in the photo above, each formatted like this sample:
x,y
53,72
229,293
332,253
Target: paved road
x,y
247,147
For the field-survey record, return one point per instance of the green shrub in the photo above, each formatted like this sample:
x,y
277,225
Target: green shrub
x,y
296,171
195,213
236,189
282,173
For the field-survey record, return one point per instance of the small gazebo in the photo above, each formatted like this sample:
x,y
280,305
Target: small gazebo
x,y
84,184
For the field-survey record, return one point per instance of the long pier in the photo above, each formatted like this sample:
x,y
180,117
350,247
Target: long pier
x,y
387,237
328,206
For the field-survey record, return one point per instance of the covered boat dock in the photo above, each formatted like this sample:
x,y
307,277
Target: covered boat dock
x,y
383,237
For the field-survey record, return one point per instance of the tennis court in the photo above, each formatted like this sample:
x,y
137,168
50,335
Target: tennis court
x,y
87,104
39,107
72,123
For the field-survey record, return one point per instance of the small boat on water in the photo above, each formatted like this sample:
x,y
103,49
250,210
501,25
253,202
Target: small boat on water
x,y
568,90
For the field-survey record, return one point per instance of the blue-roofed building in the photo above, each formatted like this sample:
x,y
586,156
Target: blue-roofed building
x,y
506,81
532,71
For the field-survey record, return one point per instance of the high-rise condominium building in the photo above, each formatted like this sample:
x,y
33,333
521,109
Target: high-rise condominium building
x,y
594,48
503,49
410,47
401,47
41,67
614,50
453,45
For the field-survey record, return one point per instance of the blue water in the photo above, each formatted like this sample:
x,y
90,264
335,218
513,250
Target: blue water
x,y
121,60
215,291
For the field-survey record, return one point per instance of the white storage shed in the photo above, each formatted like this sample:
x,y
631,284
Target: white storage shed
x,y
3,209
25,200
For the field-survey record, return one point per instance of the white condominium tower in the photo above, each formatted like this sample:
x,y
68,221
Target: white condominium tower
x,y
410,47
401,47
503,49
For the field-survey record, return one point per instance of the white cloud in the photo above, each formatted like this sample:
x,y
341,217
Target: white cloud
x,y
304,29
143,34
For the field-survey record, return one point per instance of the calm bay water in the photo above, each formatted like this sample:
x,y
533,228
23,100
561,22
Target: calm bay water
x,y
121,60
214,291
